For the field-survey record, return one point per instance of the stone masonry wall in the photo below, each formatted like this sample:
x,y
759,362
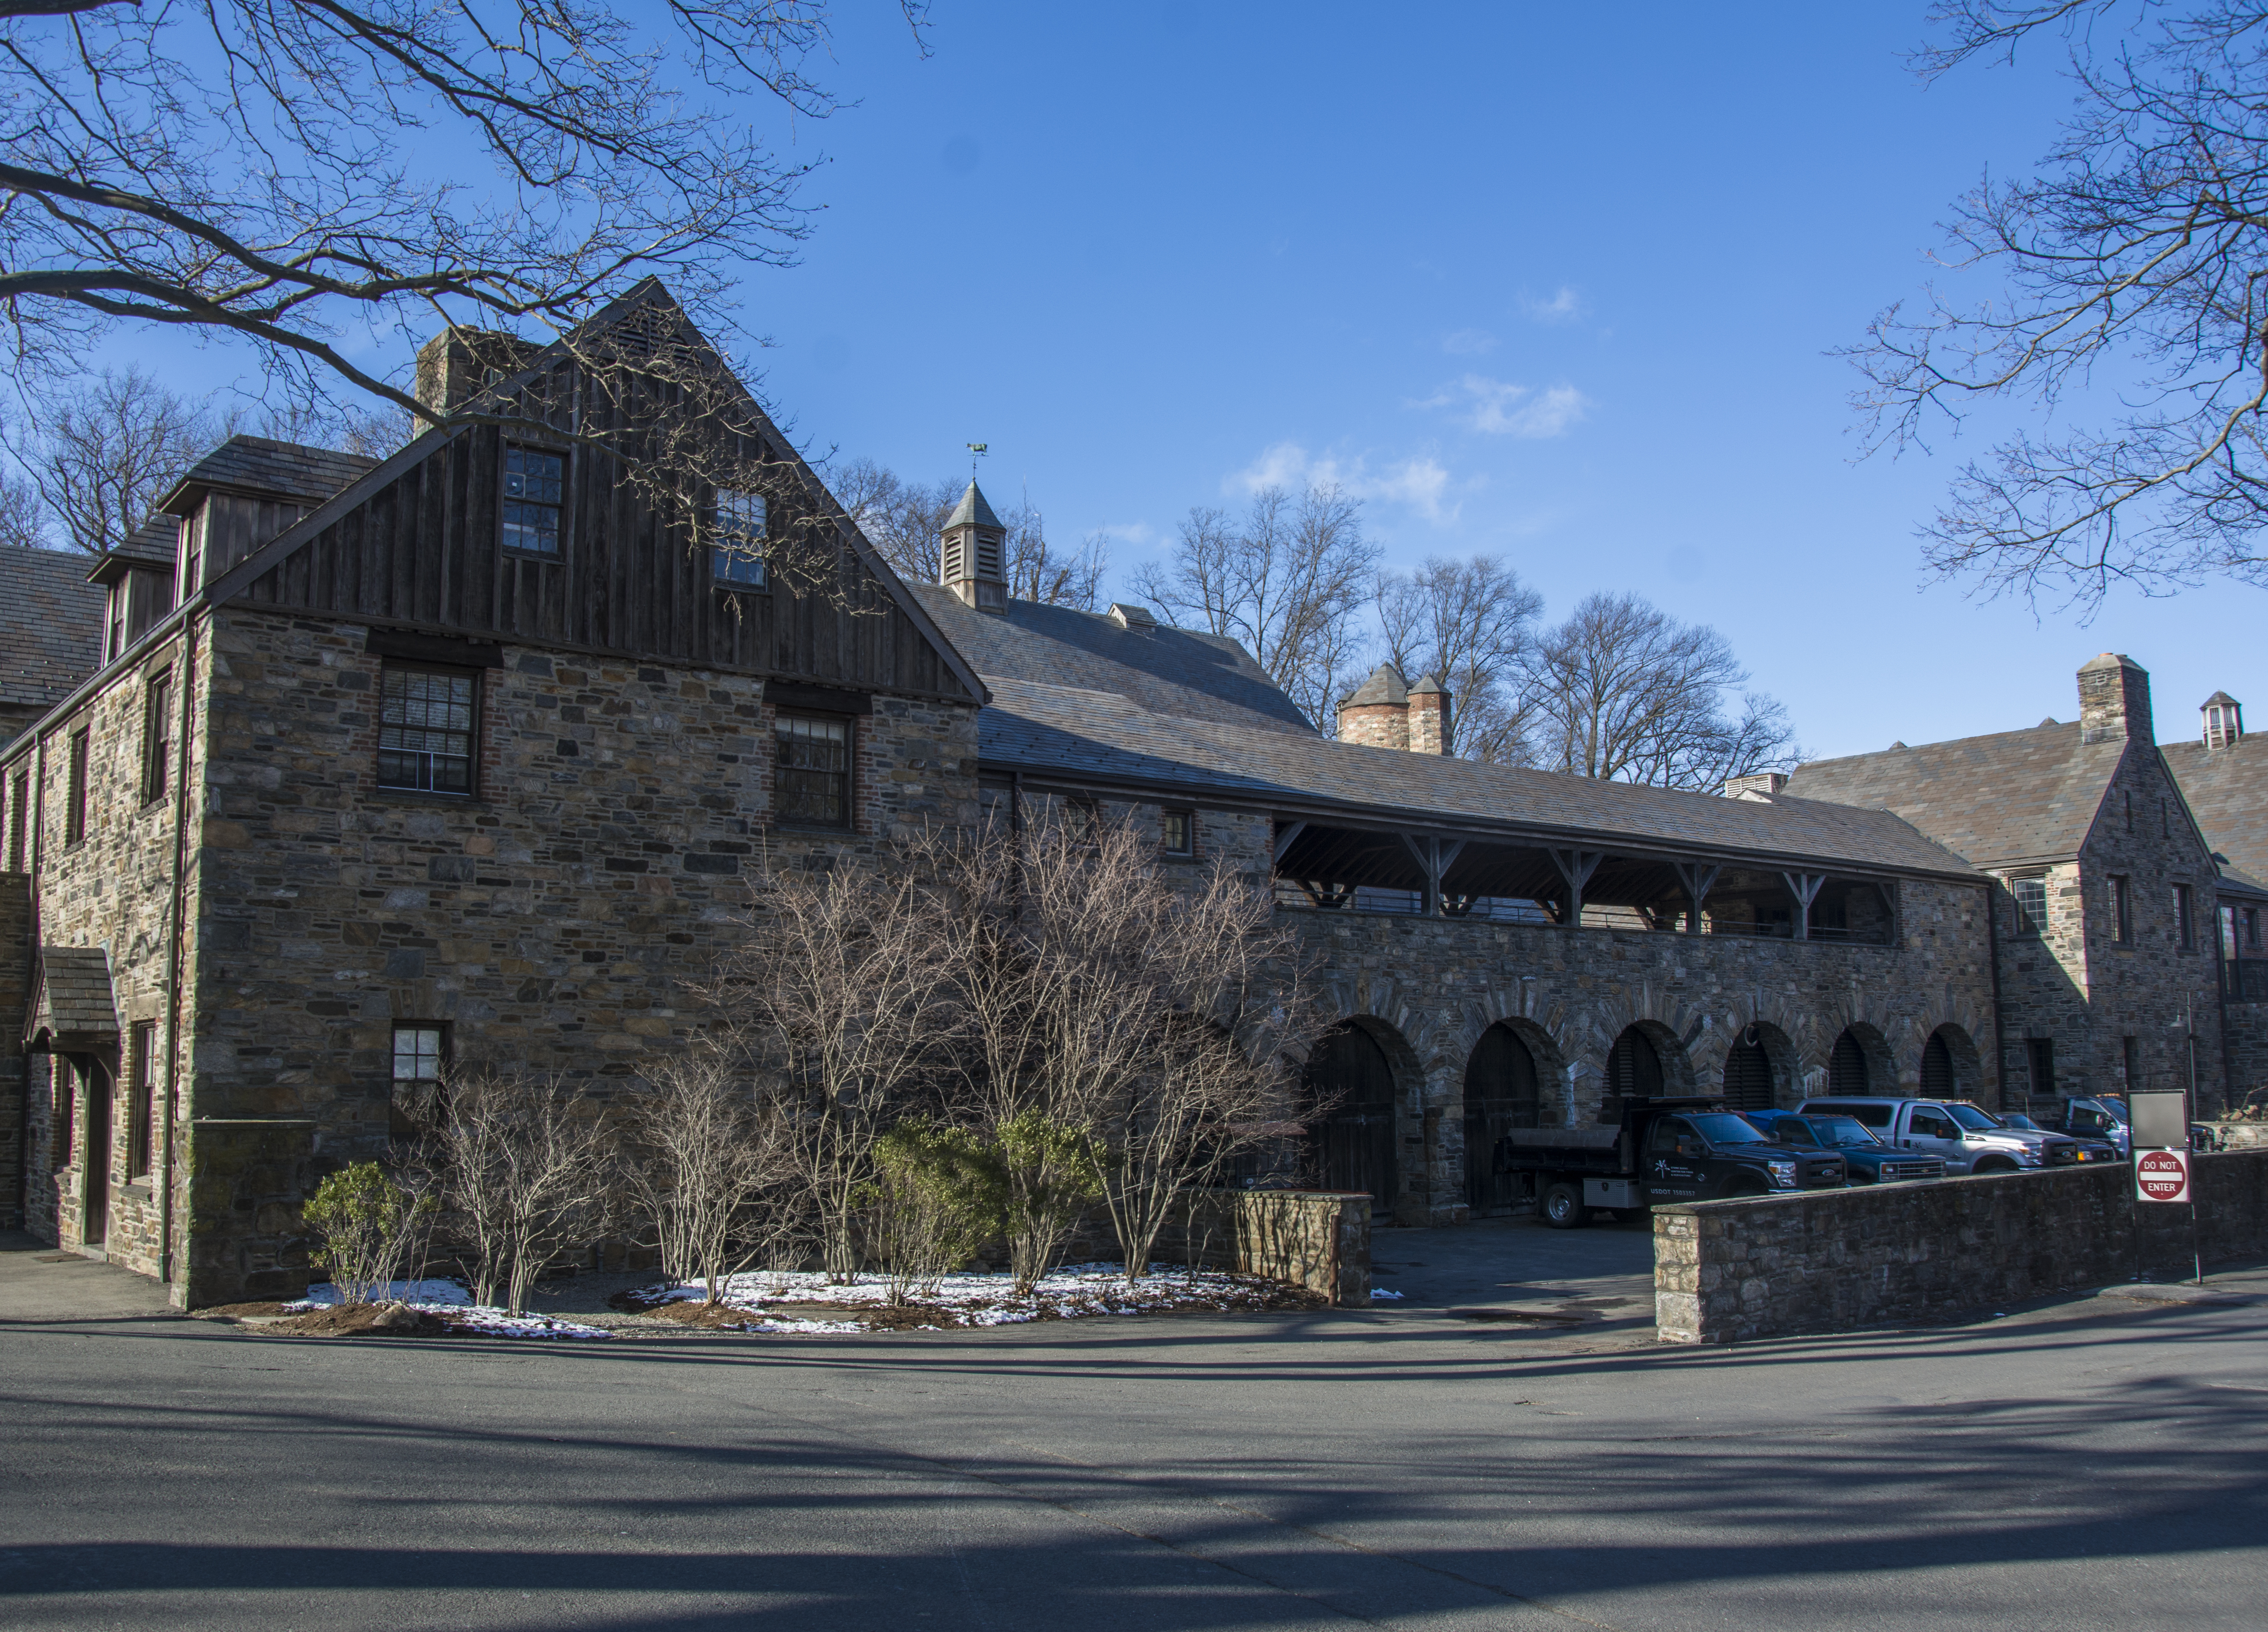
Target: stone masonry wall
x,y
1738,1270
15,993
558,921
1316,1238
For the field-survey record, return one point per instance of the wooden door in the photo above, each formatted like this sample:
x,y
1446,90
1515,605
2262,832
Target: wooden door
x,y
1500,1095
1350,1081
1748,1077
94,1087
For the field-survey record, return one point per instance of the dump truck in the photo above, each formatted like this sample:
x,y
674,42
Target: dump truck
x,y
1659,1151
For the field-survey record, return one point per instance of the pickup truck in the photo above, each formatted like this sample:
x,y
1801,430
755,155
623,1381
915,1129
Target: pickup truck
x,y
1967,1138
1664,1150
1869,1161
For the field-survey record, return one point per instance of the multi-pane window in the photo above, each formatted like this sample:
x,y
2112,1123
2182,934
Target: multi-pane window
x,y
814,772
2122,913
20,817
141,1068
535,483
2031,905
425,730
157,740
192,555
75,790
417,1060
737,556
2041,1052
2185,919
1177,832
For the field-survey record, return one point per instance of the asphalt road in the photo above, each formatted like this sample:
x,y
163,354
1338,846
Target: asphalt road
x,y
2097,1463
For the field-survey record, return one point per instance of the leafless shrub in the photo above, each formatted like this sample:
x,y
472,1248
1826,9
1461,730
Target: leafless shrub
x,y
522,1166
709,1168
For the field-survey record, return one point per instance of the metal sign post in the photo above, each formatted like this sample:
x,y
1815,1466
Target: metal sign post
x,y
2160,1145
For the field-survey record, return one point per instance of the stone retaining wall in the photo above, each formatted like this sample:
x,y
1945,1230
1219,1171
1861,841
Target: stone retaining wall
x,y
1316,1238
1733,1271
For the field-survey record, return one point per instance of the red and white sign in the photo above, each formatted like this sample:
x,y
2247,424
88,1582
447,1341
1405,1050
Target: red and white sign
x,y
2163,1175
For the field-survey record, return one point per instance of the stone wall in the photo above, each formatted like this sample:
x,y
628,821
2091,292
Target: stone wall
x,y
1316,1238
1734,1271
2243,1066
15,993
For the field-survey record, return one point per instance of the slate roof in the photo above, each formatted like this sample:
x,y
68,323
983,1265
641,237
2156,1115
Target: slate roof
x,y
1384,684
155,539
74,997
972,508
2013,797
257,464
2227,791
1099,735
1167,671
51,625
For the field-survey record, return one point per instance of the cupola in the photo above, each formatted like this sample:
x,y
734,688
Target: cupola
x,y
2224,720
975,554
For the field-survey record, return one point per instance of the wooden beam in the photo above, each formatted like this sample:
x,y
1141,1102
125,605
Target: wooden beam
x,y
1576,868
1698,877
1287,836
1805,887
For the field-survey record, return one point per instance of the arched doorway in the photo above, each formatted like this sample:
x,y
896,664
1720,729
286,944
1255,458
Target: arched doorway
x,y
1748,1073
1846,1066
1501,1094
1350,1082
1633,1072
1939,1079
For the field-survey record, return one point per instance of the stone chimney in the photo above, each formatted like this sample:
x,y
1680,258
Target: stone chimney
x,y
458,364
1429,716
1378,715
2114,701
2224,721
1759,787
976,548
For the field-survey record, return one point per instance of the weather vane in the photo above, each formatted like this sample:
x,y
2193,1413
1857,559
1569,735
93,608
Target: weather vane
x,y
976,451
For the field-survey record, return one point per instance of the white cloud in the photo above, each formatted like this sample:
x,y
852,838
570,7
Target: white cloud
x,y
1420,482
1469,342
1563,307
1504,409
1139,533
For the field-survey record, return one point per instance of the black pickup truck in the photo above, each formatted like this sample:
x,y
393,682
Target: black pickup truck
x,y
1664,1150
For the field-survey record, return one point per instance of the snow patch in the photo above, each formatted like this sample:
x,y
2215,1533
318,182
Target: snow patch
x,y
453,1302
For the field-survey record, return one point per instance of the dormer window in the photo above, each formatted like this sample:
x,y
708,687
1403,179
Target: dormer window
x,y
2224,721
139,598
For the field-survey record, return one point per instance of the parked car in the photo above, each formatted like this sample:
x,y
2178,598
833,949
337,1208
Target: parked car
x,y
1663,1150
2105,1117
2096,1150
1966,1137
1866,1159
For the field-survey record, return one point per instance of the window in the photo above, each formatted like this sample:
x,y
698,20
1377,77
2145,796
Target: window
x,y
814,772
534,482
60,1084
116,642
425,730
2184,920
19,817
2040,1051
142,1066
156,738
2252,929
737,557
2228,930
1924,1124
416,1103
1177,832
2121,914
192,555
2031,905
2129,1060
75,790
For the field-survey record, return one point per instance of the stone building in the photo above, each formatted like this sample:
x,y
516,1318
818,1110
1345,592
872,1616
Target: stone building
x,y
2108,892
467,756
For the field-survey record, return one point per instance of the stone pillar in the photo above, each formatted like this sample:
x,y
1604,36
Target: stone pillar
x,y
1378,715
2114,701
1429,716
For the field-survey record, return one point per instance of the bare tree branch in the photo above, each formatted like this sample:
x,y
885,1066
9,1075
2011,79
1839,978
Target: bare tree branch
x,y
1469,624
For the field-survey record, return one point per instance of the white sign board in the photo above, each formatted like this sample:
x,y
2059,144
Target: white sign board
x,y
2161,1175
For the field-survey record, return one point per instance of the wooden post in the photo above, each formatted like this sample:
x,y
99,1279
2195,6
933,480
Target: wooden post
x,y
1576,867
1805,887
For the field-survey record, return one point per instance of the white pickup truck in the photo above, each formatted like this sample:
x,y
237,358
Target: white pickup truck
x,y
1968,1139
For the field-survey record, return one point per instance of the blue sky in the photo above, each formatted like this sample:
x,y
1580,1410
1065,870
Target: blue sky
x,y
1555,282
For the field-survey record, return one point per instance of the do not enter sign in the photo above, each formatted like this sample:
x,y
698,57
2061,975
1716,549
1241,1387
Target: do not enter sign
x,y
2163,1175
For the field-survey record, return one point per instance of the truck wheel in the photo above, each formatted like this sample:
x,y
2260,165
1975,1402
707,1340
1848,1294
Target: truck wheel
x,y
1994,1164
1742,1189
1562,1207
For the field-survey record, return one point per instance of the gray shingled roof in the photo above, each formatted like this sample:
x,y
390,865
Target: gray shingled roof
x,y
1167,670
2228,789
50,625
1101,736
972,508
2014,797
1385,685
257,464
155,539
74,995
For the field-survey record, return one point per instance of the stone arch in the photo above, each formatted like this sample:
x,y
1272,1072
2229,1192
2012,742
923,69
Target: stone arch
x,y
1504,1088
1951,1066
1368,1084
1646,1060
1762,1069
1859,1061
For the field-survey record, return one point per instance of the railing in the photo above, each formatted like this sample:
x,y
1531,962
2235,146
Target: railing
x,y
1505,909
2245,980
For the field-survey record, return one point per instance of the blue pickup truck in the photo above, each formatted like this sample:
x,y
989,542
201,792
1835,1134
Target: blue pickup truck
x,y
1866,1159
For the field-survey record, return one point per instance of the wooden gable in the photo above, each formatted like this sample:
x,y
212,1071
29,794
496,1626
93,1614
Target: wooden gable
x,y
418,543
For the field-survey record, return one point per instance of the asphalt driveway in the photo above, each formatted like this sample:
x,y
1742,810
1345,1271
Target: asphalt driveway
x,y
2095,1463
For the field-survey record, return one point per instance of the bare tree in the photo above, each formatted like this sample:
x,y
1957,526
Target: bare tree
x,y
842,1000
1288,581
285,172
23,519
102,456
2134,292
1622,690
712,1169
1036,572
905,522
522,1176
1467,623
